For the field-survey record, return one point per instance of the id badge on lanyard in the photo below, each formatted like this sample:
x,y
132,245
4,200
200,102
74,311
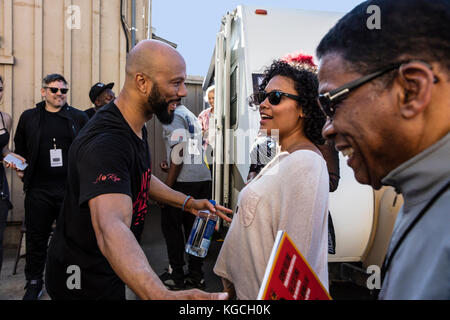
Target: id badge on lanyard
x,y
56,159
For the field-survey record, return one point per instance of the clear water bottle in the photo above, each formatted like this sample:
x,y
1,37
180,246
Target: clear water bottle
x,y
201,233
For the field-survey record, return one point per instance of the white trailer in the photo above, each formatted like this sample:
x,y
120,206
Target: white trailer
x,y
250,38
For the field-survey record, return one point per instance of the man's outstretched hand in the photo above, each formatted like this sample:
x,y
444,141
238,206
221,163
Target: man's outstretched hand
x,y
196,294
203,204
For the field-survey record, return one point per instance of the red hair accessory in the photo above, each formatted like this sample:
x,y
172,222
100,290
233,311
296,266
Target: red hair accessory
x,y
299,59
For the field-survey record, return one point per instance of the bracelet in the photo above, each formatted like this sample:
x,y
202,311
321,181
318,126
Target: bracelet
x,y
188,201
185,202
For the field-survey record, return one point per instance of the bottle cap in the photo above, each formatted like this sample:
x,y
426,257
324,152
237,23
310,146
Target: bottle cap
x,y
213,202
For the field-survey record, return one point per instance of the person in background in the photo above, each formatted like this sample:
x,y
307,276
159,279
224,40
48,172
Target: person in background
x,y
43,137
386,95
291,191
5,203
207,121
187,173
331,157
100,94
263,150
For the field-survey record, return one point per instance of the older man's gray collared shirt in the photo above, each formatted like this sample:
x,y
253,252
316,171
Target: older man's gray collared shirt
x,y
420,269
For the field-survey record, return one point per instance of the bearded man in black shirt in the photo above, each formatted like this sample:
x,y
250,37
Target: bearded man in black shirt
x,y
95,250
43,137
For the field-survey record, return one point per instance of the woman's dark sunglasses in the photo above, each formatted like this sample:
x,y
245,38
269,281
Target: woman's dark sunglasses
x,y
273,96
55,90
328,101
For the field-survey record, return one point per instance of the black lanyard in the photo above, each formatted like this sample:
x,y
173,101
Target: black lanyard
x,y
388,260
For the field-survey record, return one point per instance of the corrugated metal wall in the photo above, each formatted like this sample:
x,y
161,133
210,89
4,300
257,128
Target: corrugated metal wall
x,y
80,39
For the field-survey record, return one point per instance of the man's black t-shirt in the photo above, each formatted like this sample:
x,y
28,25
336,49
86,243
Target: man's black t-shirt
x,y
106,157
55,134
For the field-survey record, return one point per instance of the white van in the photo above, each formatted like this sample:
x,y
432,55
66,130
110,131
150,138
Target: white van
x,y
250,38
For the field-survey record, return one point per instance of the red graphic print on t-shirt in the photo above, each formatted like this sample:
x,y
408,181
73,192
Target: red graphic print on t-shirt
x,y
140,206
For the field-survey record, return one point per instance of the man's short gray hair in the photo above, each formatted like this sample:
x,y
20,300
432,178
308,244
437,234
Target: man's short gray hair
x,y
211,88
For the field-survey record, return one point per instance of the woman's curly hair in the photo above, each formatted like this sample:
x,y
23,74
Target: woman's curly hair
x,y
306,85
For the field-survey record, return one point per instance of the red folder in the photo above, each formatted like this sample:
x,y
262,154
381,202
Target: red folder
x,y
288,275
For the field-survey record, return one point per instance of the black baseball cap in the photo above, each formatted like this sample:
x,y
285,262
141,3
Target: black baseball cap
x,y
98,88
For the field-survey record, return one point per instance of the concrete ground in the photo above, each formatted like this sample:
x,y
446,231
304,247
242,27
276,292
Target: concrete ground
x,y
12,286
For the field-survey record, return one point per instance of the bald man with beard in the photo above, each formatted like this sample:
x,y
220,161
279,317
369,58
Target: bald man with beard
x,y
95,250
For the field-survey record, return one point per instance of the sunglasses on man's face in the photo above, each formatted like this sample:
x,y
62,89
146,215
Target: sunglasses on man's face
x,y
273,96
55,90
328,102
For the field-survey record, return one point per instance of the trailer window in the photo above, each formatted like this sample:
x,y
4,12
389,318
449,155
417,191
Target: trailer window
x,y
233,97
257,79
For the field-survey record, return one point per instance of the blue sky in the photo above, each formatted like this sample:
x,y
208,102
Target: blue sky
x,y
193,24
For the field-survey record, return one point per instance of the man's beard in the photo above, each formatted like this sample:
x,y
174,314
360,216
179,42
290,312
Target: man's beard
x,y
160,107
54,105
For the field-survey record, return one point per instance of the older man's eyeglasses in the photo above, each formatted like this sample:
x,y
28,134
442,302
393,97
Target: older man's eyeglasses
x,y
55,90
328,101
273,96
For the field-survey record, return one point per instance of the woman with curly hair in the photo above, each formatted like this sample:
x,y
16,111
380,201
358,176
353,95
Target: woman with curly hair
x,y
291,191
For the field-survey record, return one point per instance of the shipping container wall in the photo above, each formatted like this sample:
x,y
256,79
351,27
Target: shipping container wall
x,y
84,40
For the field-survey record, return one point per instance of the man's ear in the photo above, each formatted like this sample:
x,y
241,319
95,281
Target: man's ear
x,y
42,93
301,114
143,83
416,80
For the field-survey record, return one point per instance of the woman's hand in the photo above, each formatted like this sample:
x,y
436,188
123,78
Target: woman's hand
x,y
11,165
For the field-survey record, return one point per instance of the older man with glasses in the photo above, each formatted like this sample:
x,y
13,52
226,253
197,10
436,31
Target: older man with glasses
x,y
43,137
386,95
